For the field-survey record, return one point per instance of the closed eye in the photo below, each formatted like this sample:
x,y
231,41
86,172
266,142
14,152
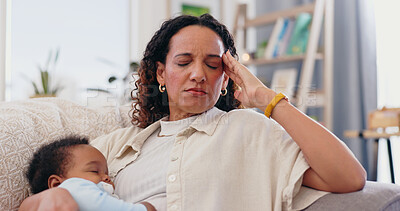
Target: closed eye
x,y
212,67
183,64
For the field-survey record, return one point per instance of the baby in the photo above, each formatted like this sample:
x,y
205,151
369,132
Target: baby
x,y
81,169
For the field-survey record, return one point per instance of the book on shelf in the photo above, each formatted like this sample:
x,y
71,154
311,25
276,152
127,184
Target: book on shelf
x,y
280,37
283,44
300,34
289,36
285,81
273,39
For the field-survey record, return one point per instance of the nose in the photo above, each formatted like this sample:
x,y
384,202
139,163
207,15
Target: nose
x,y
197,73
106,178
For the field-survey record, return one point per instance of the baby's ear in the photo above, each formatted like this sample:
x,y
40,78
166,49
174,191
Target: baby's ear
x,y
54,181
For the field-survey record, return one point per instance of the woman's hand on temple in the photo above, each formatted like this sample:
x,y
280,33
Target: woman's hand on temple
x,y
253,93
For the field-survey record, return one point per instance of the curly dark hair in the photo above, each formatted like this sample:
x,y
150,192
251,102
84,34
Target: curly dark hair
x,y
149,104
51,159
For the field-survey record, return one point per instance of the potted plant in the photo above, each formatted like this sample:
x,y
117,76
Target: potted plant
x,y
125,95
47,87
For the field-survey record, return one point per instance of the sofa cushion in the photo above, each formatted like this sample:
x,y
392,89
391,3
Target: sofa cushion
x,y
374,197
26,125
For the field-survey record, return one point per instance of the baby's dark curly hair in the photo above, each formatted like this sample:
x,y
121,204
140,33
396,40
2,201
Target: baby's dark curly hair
x,y
51,159
149,104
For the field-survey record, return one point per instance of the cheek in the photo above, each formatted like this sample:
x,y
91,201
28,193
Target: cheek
x,y
175,81
172,83
173,78
217,79
92,177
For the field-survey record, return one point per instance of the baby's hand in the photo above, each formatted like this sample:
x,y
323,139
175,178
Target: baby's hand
x,y
107,187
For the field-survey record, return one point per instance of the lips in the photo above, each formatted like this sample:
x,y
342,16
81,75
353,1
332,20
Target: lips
x,y
196,91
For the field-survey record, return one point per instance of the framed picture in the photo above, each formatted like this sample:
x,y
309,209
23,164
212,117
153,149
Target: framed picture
x,y
195,7
189,9
284,81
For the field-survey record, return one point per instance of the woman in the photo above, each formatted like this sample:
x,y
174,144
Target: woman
x,y
190,143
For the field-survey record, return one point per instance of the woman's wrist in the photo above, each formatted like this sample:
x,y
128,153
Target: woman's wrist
x,y
265,96
274,103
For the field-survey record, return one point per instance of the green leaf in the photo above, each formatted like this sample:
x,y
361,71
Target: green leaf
x,y
45,81
56,57
98,90
35,88
56,89
49,60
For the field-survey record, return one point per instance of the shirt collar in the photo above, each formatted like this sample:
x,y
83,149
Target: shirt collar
x,y
169,128
206,122
136,142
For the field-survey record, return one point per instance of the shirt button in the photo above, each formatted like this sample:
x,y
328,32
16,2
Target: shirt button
x,y
174,158
174,207
171,178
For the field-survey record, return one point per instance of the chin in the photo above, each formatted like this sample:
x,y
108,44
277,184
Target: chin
x,y
196,108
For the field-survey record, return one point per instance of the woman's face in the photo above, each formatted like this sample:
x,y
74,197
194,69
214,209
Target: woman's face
x,y
193,71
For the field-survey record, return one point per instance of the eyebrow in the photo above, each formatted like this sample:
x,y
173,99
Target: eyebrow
x,y
189,54
93,162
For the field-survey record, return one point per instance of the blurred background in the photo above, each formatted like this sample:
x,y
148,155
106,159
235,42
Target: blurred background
x,y
88,51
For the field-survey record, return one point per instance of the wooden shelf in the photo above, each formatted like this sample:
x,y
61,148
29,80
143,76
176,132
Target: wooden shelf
x,y
282,59
321,27
368,134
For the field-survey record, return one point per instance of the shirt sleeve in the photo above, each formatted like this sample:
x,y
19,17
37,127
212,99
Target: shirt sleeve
x,y
293,168
89,197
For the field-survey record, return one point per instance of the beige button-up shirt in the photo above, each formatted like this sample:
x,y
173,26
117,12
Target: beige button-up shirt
x,y
238,160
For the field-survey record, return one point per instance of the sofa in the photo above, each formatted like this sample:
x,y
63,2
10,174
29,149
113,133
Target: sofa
x,y
26,125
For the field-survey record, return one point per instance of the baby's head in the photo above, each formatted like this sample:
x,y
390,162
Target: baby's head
x,y
71,157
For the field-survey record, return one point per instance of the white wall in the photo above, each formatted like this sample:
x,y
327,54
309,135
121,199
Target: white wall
x,y
146,18
92,35
3,16
387,46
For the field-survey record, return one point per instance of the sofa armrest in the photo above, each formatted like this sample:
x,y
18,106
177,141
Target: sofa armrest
x,y
375,196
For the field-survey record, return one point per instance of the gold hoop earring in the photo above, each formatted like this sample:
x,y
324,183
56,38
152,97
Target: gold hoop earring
x,y
224,92
161,88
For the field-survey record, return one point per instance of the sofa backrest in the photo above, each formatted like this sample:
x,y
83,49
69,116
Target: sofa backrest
x,y
27,125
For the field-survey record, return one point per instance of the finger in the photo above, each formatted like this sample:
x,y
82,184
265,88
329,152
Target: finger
x,y
233,68
228,68
227,62
238,95
233,76
236,66
232,64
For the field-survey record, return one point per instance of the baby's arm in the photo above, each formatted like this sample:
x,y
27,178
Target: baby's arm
x,y
90,197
